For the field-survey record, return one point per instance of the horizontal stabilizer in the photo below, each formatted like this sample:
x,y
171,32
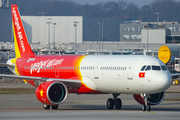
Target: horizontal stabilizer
x,y
5,65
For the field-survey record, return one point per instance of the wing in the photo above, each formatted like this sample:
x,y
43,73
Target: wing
x,y
68,82
175,75
5,65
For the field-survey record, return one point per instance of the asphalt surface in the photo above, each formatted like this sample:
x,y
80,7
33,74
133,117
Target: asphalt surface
x,y
172,88
85,107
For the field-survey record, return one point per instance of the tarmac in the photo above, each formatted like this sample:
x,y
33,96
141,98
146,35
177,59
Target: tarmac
x,y
86,107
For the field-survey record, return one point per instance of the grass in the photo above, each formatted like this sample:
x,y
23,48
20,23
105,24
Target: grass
x,y
17,90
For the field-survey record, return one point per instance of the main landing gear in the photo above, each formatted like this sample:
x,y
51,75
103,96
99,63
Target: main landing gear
x,y
114,102
146,106
48,106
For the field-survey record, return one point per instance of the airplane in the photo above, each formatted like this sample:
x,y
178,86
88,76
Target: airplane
x,y
55,76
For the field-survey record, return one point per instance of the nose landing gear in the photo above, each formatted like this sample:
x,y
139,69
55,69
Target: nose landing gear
x,y
114,102
146,106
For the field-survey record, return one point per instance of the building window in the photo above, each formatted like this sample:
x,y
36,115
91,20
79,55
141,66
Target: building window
x,y
126,36
132,29
177,29
133,36
126,29
139,28
138,36
136,29
172,29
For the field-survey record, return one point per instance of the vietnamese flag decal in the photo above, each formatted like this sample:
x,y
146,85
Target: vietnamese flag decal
x,y
142,74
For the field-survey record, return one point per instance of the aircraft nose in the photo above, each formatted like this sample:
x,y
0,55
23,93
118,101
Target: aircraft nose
x,y
164,80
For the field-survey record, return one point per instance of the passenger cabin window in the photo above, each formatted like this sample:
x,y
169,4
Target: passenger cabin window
x,y
156,68
142,69
163,68
148,68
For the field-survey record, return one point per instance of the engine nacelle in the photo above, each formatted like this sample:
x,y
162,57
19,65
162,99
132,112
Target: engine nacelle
x,y
51,93
153,99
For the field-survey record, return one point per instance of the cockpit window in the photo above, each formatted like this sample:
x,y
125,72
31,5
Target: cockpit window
x,y
142,69
163,68
148,68
153,67
156,68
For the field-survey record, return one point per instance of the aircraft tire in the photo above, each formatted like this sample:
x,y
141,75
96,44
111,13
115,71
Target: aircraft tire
x,y
110,103
118,103
144,107
148,107
46,106
54,107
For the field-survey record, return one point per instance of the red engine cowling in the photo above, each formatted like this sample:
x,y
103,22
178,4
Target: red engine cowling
x,y
51,93
153,99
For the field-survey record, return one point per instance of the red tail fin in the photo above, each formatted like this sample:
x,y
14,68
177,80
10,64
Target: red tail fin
x,y
22,47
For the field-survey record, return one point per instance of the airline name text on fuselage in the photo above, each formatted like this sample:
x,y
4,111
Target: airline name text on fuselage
x,y
44,64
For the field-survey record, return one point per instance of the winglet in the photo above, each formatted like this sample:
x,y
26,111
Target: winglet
x,y
22,47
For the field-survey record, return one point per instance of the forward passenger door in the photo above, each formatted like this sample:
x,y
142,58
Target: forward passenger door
x,y
130,69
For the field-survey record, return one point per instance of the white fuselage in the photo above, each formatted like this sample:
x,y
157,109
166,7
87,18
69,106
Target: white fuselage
x,y
120,74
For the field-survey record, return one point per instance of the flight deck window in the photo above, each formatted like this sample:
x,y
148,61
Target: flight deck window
x,y
142,69
156,68
163,68
148,68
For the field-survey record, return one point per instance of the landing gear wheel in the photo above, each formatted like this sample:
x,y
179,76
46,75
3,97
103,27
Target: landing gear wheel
x,y
148,107
118,103
110,103
144,107
46,106
54,107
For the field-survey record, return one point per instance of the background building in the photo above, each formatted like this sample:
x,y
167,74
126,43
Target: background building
x,y
155,32
5,25
130,32
92,29
88,29
62,28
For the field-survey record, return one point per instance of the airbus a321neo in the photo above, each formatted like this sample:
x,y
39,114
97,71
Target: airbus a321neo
x,y
54,76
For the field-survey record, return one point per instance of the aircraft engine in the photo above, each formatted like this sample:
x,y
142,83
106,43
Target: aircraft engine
x,y
51,92
153,99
